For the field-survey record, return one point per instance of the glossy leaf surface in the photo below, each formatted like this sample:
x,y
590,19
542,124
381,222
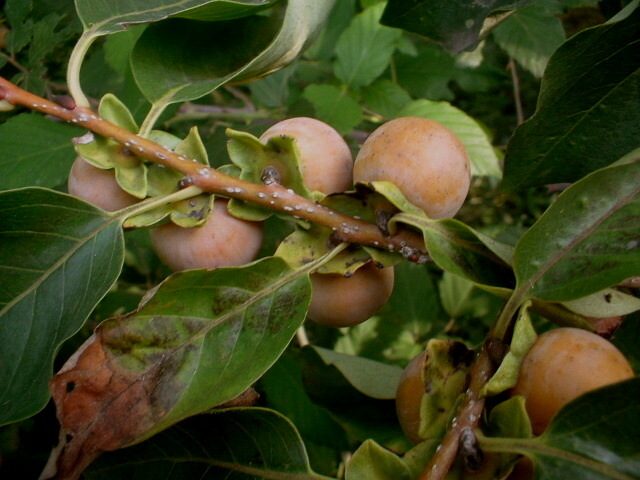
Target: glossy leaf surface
x,y
590,89
59,257
587,240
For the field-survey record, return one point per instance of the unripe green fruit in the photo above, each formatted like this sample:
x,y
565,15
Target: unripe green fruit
x,y
339,301
98,187
222,241
325,158
563,364
423,158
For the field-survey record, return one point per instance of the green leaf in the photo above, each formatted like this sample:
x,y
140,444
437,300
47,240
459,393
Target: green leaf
x,y
337,382
226,10
107,17
202,339
364,49
530,35
594,437
180,60
457,248
589,90
35,151
59,257
506,377
385,97
604,304
334,106
373,462
455,25
484,160
284,392
586,241
373,379
239,443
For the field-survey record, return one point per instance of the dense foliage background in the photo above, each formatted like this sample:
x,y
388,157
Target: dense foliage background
x,y
326,397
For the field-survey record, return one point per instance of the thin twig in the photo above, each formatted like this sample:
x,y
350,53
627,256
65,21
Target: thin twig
x,y
516,90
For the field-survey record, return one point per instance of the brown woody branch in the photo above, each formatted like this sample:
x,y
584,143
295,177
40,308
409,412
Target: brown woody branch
x,y
273,196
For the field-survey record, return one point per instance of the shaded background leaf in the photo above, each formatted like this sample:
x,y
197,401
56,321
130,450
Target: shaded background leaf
x,y
530,35
365,48
235,443
35,151
591,87
52,274
455,25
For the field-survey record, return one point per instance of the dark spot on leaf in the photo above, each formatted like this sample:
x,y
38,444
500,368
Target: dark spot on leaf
x,y
608,297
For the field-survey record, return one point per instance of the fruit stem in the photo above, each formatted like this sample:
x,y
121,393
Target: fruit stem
x,y
73,69
274,196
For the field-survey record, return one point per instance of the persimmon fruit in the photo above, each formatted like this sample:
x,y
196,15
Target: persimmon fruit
x,y
325,157
222,241
339,301
563,364
423,158
97,186
409,394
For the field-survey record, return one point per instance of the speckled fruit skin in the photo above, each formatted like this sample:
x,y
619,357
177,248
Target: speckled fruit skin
x,y
98,187
338,301
563,364
421,157
327,163
409,394
223,241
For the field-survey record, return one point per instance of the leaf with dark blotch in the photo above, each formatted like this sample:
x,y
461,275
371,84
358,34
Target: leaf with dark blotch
x,y
249,443
588,240
590,89
454,25
201,340
59,257
594,437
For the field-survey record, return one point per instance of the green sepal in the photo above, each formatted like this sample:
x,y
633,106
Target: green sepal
x,y
304,246
524,336
104,153
253,157
187,213
446,370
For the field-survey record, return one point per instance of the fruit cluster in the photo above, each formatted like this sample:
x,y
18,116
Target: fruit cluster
x,y
424,159
562,364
